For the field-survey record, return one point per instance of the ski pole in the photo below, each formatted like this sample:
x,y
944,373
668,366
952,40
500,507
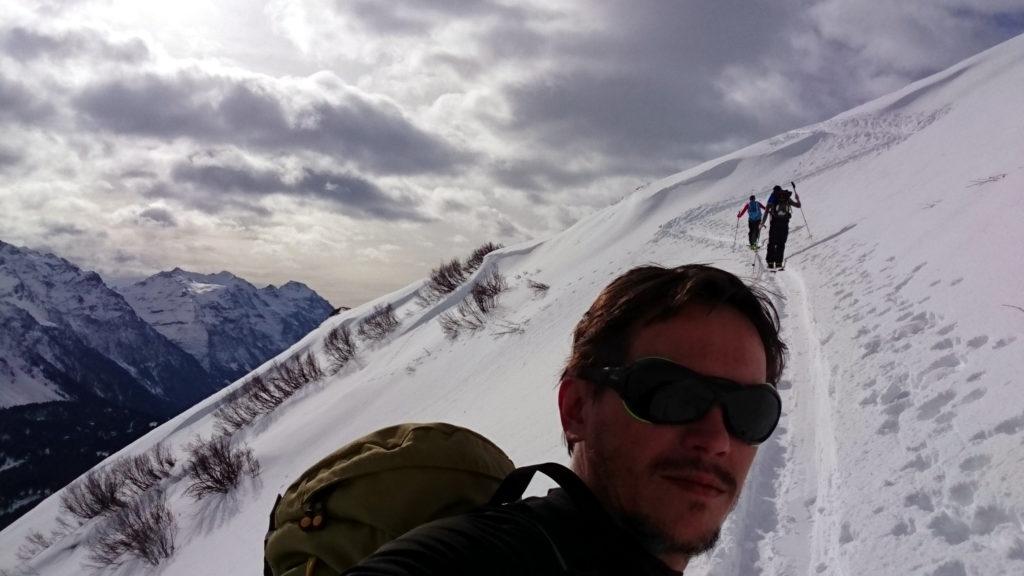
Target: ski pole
x,y
806,225
735,232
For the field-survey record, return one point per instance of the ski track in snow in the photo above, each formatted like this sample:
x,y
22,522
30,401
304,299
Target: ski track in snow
x,y
791,517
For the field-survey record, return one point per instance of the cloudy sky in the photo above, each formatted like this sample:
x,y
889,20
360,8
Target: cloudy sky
x,y
354,144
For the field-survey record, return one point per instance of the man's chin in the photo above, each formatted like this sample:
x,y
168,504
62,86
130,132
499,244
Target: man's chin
x,y
665,540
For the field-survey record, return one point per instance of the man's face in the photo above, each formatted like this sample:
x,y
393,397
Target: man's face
x,y
674,484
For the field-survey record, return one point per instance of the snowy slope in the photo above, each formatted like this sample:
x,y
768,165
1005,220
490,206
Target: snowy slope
x,y
900,449
223,321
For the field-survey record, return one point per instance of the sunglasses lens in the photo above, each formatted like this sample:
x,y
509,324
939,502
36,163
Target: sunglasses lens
x,y
678,403
752,413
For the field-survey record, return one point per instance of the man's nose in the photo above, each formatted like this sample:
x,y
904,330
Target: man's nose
x,y
708,435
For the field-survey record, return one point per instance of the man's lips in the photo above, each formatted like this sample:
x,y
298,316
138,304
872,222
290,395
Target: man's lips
x,y
701,484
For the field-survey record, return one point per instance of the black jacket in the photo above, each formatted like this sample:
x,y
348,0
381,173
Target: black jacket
x,y
566,532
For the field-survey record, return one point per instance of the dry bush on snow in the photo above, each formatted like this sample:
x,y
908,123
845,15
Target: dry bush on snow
x,y
34,543
443,280
340,347
100,492
505,328
485,291
215,466
143,471
538,288
237,412
477,257
379,323
261,394
112,488
145,528
470,313
467,316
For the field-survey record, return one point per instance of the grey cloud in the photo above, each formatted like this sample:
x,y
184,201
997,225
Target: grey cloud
x,y
538,174
420,18
644,89
375,136
354,196
9,158
161,216
63,229
138,173
18,104
220,178
25,44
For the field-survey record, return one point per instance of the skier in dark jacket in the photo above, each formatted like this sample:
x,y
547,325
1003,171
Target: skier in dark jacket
x,y
755,211
780,210
667,393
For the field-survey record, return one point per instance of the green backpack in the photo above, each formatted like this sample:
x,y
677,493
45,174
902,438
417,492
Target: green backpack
x,y
375,489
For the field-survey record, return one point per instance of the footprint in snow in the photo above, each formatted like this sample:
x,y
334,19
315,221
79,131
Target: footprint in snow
x,y
952,530
962,493
931,407
977,341
920,500
950,568
1003,342
975,463
904,528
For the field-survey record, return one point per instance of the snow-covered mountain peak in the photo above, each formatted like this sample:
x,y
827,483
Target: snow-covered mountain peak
x,y
223,320
55,315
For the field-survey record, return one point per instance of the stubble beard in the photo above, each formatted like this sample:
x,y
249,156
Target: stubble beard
x,y
653,535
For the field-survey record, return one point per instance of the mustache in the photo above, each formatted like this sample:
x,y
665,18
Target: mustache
x,y
672,465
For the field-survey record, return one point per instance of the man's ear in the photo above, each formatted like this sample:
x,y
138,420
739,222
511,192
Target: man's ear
x,y
573,407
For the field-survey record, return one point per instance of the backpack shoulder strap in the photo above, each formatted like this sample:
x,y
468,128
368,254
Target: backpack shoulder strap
x,y
515,484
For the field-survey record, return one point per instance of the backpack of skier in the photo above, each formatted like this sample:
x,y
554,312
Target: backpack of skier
x,y
781,208
754,210
376,488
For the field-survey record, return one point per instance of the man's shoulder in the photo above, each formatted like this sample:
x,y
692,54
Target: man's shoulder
x,y
490,540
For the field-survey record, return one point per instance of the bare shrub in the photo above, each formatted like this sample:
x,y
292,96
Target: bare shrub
x,y
145,528
261,394
100,492
309,367
477,257
485,291
505,328
237,412
34,543
285,379
539,288
143,471
443,280
379,323
340,347
467,316
215,466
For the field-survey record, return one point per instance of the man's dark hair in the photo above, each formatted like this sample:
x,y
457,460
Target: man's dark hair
x,y
651,294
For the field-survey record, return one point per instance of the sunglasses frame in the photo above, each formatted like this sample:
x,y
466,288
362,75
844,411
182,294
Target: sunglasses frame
x,y
618,379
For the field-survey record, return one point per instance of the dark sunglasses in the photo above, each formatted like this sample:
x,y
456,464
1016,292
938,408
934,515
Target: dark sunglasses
x,y
660,391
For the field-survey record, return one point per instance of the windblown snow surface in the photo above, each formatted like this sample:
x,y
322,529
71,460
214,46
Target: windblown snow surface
x,y
900,449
